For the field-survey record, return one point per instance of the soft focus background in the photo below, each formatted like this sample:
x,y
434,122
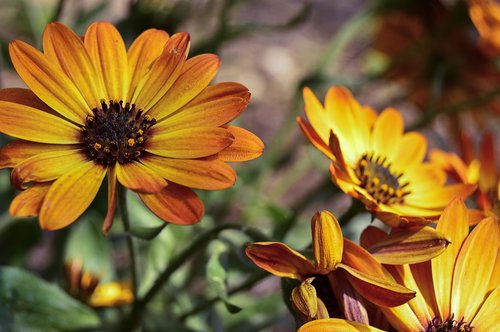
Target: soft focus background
x,y
422,57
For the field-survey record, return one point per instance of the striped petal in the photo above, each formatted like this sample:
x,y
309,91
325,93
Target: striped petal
x,y
190,143
63,47
196,74
142,53
305,300
28,202
46,166
327,242
246,146
280,260
24,97
200,174
48,82
336,325
19,150
108,54
139,178
163,73
35,125
70,195
175,204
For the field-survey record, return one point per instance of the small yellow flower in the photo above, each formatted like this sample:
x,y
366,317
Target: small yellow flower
x,y
145,118
374,161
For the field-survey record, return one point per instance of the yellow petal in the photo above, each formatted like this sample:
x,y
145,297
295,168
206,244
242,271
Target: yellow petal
x,y
63,47
410,150
246,146
279,259
175,204
142,53
48,82
196,74
19,150
200,174
314,138
336,325
139,178
327,241
34,125
473,269
112,198
440,196
47,166
454,224
387,132
28,202
111,294
190,143
163,73
305,300
107,51
70,195
25,97
487,317
316,115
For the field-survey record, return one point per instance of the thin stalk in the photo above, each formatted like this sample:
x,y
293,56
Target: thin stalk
x,y
122,205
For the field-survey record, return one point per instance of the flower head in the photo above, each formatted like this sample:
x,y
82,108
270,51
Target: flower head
x,y
374,161
145,118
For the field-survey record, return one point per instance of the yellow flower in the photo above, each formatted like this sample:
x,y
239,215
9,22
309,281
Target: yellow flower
x,y
145,118
374,161
336,325
486,17
458,290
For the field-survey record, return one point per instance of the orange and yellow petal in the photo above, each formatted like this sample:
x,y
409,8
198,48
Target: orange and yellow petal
x,y
175,204
336,325
280,260
48,82
106,49
196,74
440,196
70,195
314,138
305,300
197,173
139,178
24,97
28,202
327,242
111,294
487,317
190,143
245,146
410,151
387,133
19,150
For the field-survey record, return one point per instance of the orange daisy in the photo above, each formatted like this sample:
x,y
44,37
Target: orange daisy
x,y
146,118
374,161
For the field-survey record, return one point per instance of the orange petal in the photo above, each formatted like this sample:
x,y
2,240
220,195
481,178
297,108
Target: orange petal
x,y
473,269
387,132
454,224
107,51
487,317
327,242
34,125
63,47
47,166
28,202
139,178
489,170
200,174
371,235
336,325
48,82
24,97
142,53
175,204
314,138
70,195
190,143
246,146
19,150
196,74
316,115
439,197
163,73
410,150
112,197
280,260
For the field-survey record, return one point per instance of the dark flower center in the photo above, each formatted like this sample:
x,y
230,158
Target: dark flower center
x,y
449,325
116,133
378,180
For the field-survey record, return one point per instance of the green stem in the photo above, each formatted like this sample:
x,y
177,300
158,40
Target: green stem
x,y
122,205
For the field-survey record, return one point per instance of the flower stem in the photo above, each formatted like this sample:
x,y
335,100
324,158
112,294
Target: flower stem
x,y
122,203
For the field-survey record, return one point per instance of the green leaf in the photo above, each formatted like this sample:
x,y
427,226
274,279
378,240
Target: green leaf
x,y
28,303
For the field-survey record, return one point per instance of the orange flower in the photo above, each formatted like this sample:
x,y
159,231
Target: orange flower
x,y
375,162
486,17
335,325
456,291
145,118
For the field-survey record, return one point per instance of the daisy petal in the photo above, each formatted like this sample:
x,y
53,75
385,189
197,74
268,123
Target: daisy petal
x,y
327,242
387,132
314,138
410,151
246,146
63,47
107,51
196,74
139,178
487,317
200,174
175,204
28,202
24,97
163,73
35,125
48,82
336,325
279,259
142,53
190,143
440,196
112,197
19,150
70,195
